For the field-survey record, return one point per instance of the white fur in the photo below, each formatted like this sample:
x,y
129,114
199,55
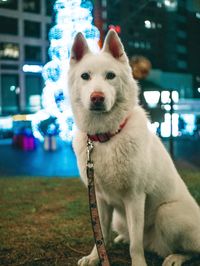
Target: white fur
x,y
136,181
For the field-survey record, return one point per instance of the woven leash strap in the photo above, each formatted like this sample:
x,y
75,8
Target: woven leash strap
x,y
96,226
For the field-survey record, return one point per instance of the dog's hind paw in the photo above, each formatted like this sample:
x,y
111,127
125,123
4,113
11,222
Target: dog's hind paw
x,y
175,260
121,239
88,261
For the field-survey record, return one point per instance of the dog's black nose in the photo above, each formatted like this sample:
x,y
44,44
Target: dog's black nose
x,y
97,97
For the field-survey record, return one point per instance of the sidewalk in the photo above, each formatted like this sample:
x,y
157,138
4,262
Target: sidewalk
x,y
62,162
59,163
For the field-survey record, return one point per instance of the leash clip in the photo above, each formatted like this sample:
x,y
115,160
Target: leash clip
x,y
90,147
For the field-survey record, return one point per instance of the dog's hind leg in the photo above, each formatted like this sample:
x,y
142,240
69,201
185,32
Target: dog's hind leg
x,y
120,227
177,232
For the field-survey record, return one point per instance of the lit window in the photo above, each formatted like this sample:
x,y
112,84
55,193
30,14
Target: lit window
x,y
198,78
159,5
148,45
34,85
9,51
198,15
181,34
182,64
167,107
104,14
181,49
32,6
142,45
105,26
152,97
166,125
104,3
147,24
175,96
11,4
150,24
136,44
171,5
165,97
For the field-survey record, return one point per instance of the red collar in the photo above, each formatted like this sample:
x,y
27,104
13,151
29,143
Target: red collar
x,y
103,137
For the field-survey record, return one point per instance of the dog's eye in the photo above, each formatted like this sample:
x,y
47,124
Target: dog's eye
x,y
110,75
85,76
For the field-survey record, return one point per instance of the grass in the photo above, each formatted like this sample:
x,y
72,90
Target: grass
x,y
46,222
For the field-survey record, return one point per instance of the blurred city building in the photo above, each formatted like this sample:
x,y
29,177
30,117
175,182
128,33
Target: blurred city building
x,y
167,32
23,51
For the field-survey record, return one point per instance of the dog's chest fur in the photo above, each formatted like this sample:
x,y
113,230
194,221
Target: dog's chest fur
x,y
116,163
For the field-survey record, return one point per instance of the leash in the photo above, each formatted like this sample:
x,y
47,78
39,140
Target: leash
x,y
96,226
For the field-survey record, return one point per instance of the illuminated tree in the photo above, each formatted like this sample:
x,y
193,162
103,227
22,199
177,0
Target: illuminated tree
x,y
71,17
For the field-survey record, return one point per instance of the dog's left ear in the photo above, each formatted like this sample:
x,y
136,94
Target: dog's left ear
x,y
79,48
113,45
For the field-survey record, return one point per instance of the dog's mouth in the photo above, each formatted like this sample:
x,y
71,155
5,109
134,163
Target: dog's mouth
x,y
98,107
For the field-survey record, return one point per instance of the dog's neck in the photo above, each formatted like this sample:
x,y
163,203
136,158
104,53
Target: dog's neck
x,y
104,137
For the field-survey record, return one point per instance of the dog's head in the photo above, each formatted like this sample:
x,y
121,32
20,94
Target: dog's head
x,y
101,85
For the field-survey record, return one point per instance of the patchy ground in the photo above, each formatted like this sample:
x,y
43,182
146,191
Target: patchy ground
x,y
46,222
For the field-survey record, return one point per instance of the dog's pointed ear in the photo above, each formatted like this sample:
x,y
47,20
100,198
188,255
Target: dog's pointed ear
x,y
79,48
113,45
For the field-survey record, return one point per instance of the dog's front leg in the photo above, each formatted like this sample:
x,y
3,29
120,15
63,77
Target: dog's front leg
x,y
105,215
134,207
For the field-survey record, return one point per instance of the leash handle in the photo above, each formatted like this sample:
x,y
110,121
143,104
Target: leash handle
x,y
96,226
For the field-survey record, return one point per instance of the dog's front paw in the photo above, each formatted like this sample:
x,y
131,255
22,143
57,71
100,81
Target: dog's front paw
x,y
175,260
88,261
139,264
139,261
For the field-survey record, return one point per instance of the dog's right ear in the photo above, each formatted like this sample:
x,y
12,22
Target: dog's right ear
x,y
79,48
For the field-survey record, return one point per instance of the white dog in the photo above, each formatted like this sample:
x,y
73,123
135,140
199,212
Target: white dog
x,y
138,187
